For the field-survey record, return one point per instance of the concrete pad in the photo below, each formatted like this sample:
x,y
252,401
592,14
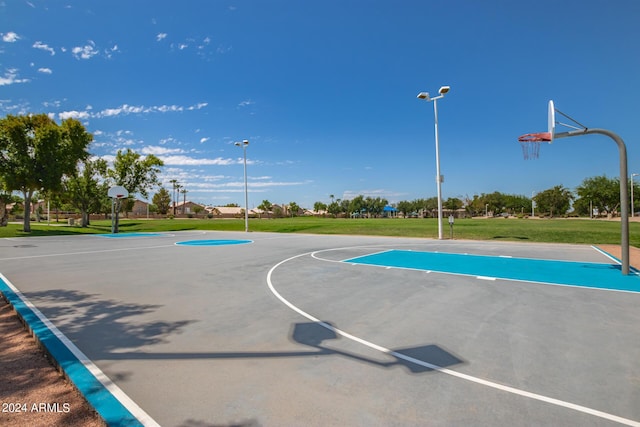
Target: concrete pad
x,y
201,335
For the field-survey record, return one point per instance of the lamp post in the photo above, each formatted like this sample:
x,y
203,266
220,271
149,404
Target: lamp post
x,y
244,144
425,96
632,209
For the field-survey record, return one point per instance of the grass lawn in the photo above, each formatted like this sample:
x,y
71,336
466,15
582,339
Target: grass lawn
x,y
527,230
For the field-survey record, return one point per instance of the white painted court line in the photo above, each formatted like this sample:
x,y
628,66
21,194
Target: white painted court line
x,y
487,383
85,252
141,416
612,258
363,247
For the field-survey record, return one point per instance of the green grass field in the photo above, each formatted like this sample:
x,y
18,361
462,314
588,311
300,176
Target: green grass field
x,y
526,230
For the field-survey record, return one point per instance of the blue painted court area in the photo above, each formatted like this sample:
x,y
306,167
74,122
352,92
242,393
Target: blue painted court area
x,y
125,235
218,242
567,273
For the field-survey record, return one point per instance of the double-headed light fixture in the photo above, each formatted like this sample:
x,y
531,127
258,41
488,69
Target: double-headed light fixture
x,y
244,145
439,178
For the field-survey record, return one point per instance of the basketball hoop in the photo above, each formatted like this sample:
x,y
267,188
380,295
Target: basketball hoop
x,y
531,142
117,192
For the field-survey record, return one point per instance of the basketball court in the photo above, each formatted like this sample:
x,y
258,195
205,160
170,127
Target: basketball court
x,y
215,329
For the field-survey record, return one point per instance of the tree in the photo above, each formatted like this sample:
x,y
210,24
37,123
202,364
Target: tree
x,y
514,203
602,192
162,200
184,202
277,212
453,204
406,207
136,174
174,184
357,205
35,153
334,209
265,206
375,206
554,200
319,206
294,209
4,214
83,188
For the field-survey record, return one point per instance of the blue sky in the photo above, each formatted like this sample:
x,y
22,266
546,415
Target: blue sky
x,y
325,91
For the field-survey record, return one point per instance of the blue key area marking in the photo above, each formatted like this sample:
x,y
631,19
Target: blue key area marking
x,y
568,273
112,411
124,235
213,242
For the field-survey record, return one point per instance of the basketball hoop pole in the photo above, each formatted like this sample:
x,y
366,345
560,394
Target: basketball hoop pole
x,y
624,188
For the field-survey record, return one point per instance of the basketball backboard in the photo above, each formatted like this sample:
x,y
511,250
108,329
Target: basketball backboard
x,y
117,192
551,127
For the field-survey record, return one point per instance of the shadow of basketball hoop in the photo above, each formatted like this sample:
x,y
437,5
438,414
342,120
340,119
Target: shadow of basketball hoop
x,y
418,359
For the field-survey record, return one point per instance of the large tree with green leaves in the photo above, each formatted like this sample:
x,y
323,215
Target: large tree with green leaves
x,y
162,200
86,187
294,209
600,192
135,173
555,200
35,153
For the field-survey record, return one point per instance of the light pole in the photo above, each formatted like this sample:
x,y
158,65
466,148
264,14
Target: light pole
x,y
244,144
425,96
632,209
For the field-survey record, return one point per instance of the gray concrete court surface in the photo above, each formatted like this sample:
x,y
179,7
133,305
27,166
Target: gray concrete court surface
x,y
227,335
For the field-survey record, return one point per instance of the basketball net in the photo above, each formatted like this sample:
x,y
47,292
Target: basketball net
x,y
531,142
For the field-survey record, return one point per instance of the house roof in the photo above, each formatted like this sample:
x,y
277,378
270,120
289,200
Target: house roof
x,y
228,210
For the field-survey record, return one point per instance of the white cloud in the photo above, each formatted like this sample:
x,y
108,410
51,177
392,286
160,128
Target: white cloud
x,y
246,103
10,37
80,115
7,106
44,46
11,77
158,151
198,106
203,140
45,70
190,161
222,49
126,109
123,109
109,52
161,36
85,52
167,108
